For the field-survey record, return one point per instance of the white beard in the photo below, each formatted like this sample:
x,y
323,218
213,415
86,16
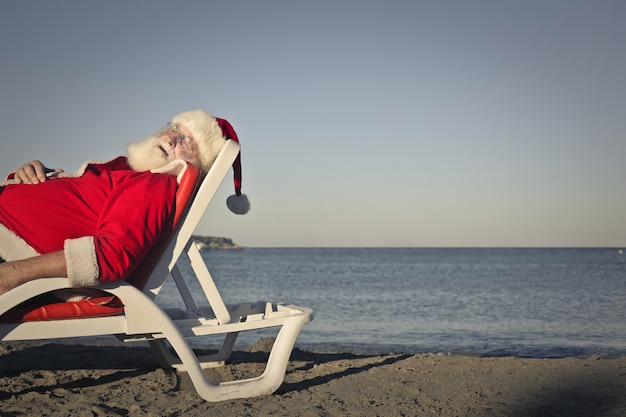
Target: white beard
x,y
149,153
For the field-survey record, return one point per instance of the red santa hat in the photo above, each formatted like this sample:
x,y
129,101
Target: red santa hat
x,y
210,133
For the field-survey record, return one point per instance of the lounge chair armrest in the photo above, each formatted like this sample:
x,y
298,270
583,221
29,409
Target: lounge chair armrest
x,y
29,290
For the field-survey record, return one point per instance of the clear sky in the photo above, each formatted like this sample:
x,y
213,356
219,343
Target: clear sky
x,y
387,123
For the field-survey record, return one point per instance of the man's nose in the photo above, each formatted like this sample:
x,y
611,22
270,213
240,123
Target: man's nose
x,y
171,140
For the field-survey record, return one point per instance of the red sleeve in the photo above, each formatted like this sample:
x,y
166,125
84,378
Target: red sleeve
x,y
138,211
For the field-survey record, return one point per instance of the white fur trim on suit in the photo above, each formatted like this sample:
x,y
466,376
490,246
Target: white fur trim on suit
x,y
177,168
82,264
13,247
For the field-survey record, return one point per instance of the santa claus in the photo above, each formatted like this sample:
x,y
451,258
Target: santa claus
x,y
97,225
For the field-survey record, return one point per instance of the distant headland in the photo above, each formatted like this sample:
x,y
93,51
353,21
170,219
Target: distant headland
x,y
212,242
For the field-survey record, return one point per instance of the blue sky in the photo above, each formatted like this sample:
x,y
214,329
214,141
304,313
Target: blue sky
x,y
395,123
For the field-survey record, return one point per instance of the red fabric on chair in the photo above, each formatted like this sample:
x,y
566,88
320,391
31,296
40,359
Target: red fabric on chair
x,y
107,305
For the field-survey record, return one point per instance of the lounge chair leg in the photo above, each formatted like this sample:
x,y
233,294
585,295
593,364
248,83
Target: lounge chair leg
x,y
218,359
161,353
165,359
266,383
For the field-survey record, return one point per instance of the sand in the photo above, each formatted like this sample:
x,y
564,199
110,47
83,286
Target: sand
x,y
54,379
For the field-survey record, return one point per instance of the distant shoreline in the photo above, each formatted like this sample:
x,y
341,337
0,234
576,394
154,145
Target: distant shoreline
x,y
215,243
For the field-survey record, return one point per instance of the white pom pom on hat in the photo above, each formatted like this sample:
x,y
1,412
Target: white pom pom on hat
x,y
210,134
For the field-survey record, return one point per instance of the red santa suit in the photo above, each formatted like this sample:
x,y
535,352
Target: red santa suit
x,y
105,218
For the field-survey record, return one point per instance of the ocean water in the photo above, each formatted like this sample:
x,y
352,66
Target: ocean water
x,y
542,303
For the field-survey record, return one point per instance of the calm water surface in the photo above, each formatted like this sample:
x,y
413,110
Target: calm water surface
x,y
484,302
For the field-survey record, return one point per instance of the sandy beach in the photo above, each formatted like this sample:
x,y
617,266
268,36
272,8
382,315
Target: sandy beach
x,y
82,380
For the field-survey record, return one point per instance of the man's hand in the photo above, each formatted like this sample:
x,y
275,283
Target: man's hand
x,y
33,172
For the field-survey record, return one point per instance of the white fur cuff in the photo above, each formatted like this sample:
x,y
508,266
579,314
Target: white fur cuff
x,y
82,264
12,247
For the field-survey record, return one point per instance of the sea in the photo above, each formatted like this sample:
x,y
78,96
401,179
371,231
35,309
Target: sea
x,y
521,302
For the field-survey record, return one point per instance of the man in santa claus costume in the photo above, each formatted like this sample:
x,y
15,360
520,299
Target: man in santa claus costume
x,y
98,224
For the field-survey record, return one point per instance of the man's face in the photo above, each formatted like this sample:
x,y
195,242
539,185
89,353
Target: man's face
x,y
172,142
180,142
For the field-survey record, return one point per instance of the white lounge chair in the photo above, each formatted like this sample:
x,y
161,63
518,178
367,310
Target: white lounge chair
x,y
127,309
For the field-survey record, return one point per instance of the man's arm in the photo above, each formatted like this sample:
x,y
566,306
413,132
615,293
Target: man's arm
x,y
15,273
